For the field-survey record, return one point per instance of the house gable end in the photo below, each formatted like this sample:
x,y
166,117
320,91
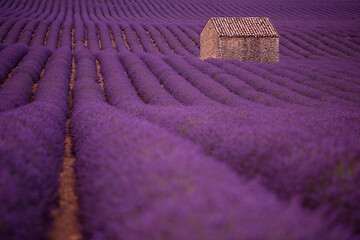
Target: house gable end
x,y
209,41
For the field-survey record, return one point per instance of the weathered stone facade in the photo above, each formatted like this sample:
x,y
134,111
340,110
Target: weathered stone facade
x,y
245,39
209,42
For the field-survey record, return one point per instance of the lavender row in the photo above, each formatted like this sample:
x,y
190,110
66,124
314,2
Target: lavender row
x,y
337,43
17,90
159,40
132,40
79,27
283,81
184,40
291,48
192,34
16,30
306,47
24,9
262,85
9,58
121,45
5,27
281,147
179,87
54,85
145,40
67,31
326,93
204,83
145,83
326,84
233,83
349,44
24,32
347,72
173,43
313,45
28,31
331,46
30,155
53,37
333,78
104,36
119,90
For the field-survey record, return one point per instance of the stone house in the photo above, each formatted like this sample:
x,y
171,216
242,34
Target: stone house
x,y
250,39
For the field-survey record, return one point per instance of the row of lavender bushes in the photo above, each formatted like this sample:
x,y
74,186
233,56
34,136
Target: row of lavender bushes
x,y
31,151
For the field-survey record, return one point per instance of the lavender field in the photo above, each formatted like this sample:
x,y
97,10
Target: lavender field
x,y
111,127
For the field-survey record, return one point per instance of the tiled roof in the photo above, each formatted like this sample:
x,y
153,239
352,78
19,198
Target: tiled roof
x,y
244,27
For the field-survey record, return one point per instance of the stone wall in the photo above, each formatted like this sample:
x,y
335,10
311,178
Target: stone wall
x,y
249,49
269,48
209,42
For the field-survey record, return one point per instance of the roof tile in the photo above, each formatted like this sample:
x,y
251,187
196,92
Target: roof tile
x,y
244,27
